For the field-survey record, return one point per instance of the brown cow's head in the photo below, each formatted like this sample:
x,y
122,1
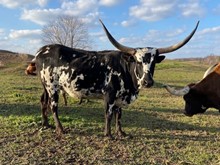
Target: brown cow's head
x,y
31,69
195,102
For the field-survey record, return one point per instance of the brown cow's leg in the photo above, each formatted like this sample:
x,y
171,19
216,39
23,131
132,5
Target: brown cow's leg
x,y
118,114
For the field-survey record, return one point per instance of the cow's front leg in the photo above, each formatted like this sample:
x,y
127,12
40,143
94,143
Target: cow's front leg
x,y
54,109
108,118
80,100
118,114
64,97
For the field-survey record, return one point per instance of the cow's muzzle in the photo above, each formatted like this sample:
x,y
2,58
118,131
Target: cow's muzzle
x,y
149,82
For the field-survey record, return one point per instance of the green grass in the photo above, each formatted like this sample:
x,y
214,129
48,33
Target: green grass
x,y
161,134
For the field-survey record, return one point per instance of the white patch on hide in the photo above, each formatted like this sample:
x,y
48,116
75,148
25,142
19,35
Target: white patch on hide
x,y
140,54
47,50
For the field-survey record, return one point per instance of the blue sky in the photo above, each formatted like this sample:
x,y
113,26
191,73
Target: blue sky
x,y
134,23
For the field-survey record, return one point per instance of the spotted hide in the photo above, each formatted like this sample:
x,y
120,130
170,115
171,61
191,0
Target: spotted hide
x,y
115,76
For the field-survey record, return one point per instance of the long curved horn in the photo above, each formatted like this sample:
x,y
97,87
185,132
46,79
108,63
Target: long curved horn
x,y
209,70
115,43
178,45
180,92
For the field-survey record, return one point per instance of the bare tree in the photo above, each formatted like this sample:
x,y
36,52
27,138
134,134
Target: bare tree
x,y
68,31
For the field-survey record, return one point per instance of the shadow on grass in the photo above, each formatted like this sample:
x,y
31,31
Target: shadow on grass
x,y
139,119
181,111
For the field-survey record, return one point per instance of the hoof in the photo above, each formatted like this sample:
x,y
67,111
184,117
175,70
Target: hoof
x,y
45,124
121,134
124,135
43,128
109,136
59,131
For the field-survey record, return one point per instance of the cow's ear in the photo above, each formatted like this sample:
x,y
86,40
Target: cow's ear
x,y
160,58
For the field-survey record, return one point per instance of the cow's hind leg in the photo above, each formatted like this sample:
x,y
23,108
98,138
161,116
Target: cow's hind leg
x,y
118,114
44,109
54,108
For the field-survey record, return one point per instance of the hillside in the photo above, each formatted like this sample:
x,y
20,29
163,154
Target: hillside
x,y
7,57
209,60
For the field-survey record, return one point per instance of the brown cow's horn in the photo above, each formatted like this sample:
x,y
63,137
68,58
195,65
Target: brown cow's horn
x,y
116,44
178,45
209,70
180,92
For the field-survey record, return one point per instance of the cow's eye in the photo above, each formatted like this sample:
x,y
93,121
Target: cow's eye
x,y
146,58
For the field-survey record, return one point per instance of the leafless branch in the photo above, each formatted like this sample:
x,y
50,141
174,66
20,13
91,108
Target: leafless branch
x,y
68,31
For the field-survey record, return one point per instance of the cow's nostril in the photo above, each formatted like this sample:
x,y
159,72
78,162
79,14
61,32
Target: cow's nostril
x,y
149,84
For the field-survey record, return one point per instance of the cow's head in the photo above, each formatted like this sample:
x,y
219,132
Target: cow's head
x,y
148,56
195,102
30,70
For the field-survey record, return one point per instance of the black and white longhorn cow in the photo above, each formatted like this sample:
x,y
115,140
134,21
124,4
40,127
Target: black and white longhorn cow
x,y
115,76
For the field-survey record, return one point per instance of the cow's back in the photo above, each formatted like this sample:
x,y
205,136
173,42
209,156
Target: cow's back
x,y
83,73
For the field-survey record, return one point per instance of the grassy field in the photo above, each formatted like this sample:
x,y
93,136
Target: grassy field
x,y
161,134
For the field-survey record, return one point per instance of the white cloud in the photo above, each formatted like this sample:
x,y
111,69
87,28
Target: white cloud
x,y
17,34
109,2
42,2
22,3
9,3
175,32
149,10
87,10
1,31
21,46
192,8
40,16
90,17
79,7
35,41
128,23
210,30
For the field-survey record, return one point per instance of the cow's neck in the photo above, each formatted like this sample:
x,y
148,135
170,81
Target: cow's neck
x,y
137,76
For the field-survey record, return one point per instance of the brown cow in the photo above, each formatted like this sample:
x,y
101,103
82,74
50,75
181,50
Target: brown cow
x,y
202,95
31,69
